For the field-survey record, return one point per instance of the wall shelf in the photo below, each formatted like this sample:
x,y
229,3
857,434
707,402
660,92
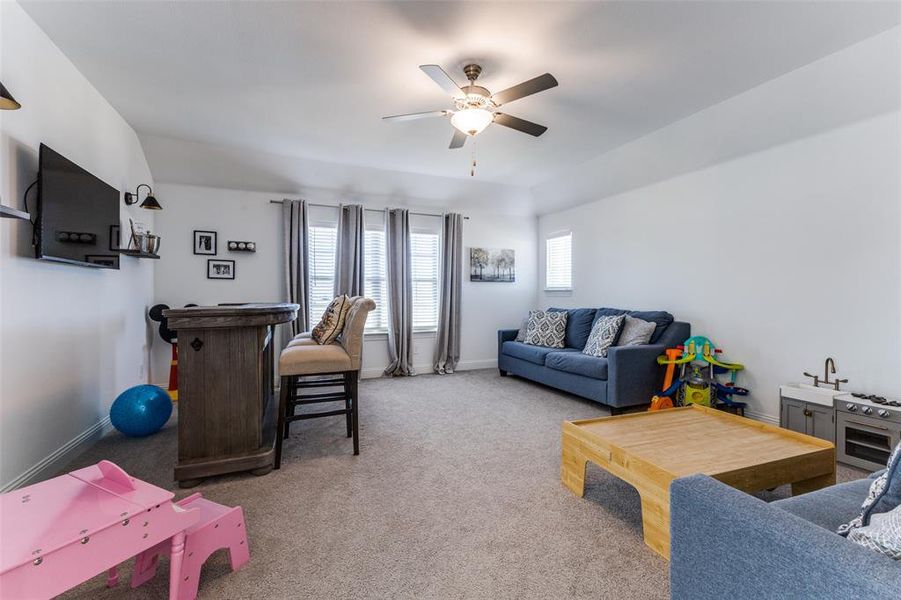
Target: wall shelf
x,y
8,212
138,254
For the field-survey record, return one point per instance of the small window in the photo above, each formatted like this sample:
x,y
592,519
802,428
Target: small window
x,y
321,245
424,258
559,266
376,280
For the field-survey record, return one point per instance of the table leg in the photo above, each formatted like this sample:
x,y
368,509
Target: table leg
x,y
813,484
178,554
572,465
655,522
112,577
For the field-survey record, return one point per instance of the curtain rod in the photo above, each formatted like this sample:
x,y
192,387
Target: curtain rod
x,y
418,214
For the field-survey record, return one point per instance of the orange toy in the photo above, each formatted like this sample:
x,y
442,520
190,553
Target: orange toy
x,y
661,402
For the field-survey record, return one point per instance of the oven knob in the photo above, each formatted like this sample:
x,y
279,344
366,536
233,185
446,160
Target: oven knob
x,y
851,407
882,413
866,410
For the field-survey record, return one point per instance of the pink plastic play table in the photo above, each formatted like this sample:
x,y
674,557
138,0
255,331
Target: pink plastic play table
x,y
59,533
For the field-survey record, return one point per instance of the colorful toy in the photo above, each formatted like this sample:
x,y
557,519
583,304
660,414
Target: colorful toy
x,y
141,410
697,382
156,314
61,532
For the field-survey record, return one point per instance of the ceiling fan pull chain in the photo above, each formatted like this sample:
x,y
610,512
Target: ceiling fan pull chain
x,y
472,171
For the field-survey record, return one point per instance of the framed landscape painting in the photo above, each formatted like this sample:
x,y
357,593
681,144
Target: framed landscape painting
x,y
492,264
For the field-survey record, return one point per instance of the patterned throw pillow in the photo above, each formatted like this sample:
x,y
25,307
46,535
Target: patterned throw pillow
x,y
332,322
635,332
603,332
884,494
883,534
523,328
546,329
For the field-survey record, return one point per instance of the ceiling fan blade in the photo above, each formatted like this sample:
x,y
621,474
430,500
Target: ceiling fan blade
x,y
419,115
443,79
519,124
526,88
458,140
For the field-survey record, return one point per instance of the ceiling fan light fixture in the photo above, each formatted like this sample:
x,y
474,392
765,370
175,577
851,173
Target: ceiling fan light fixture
x,y
472,121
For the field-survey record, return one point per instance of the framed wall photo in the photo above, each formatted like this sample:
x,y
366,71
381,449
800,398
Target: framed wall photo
x,y
205,242
115,238
220,269
492,264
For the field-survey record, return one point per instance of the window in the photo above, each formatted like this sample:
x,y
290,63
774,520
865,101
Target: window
x,y
321,245
375,275
424,265
559,266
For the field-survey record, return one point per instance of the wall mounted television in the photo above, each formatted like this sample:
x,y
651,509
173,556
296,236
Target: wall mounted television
x,y
78,215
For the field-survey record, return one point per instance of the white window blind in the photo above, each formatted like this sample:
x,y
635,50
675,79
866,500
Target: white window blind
x,y
321,245
424,265
375,275
559,267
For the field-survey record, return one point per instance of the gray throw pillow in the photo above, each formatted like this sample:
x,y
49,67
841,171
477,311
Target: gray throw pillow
x,y
883,534
635,332
603,333
521,334
884,494
546,329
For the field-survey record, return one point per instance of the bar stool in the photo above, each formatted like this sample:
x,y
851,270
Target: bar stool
x,y
306,365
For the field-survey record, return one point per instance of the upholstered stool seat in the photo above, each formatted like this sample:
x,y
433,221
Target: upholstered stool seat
x,y
305,364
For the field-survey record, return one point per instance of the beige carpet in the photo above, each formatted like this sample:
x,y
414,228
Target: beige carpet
x,y
456,494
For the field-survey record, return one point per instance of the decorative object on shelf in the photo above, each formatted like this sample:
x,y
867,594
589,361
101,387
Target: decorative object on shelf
x,y
141,410
142,242
236,246
205,242
492,264
76,237
7,102
149,202
220,269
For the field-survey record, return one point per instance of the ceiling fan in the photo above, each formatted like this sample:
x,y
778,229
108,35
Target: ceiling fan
x,y
476,107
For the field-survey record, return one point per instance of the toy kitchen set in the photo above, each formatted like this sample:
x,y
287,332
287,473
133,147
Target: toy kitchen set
x,y
864,427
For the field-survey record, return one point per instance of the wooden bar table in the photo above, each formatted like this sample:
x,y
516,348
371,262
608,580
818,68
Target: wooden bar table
x,y
227,408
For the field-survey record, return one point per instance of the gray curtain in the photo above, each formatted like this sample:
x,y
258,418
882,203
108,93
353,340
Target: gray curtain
x,y
448,351
294,218
400,293
349,255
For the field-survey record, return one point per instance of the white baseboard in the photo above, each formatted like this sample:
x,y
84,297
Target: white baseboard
x,y
62,456
757,416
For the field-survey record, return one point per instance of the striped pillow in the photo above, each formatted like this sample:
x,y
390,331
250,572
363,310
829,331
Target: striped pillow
x,y
329,328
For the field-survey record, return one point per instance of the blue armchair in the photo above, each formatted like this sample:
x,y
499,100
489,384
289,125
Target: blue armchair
x,y
629,376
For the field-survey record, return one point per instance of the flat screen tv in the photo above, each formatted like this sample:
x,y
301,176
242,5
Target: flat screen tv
x,y
77,216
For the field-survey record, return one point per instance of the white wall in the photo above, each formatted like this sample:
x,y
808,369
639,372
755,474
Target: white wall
x,y
72,337
783,257
240,215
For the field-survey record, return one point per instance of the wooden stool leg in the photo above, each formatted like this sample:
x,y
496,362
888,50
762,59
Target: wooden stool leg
x,y
347,401
354,380
280,427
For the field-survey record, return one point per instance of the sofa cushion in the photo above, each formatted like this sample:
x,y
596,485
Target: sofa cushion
x,y
660,317
830,506
532,354
546,329
578,363
578,325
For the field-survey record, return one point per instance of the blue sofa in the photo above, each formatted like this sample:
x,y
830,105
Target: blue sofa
x,y
629,376
727,544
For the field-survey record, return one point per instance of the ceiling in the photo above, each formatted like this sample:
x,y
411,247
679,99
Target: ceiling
x,y
311,80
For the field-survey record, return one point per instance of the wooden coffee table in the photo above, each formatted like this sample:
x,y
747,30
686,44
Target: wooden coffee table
x,y
648,450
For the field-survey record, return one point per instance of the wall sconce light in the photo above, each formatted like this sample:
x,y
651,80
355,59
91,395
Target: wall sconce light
x,y
149,202
7,102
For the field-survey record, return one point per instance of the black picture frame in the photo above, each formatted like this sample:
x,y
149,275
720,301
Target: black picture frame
x,y
205,242
115,238
217,268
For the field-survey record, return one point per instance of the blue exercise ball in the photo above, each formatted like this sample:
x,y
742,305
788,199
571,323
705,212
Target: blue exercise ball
x,y
141,410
